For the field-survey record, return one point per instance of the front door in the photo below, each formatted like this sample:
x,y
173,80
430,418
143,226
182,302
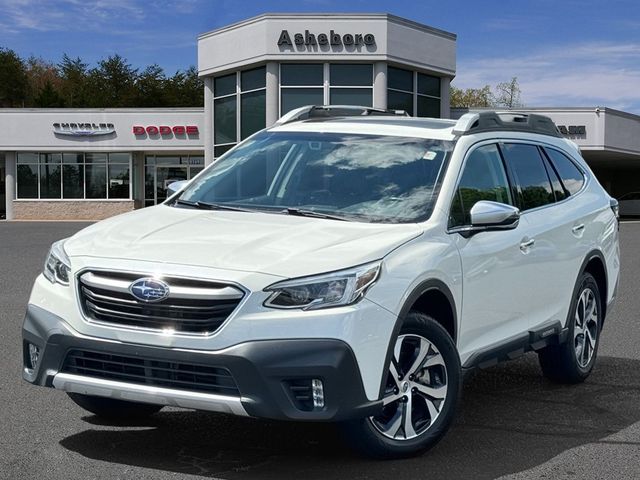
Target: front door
x,y
494,282
161,171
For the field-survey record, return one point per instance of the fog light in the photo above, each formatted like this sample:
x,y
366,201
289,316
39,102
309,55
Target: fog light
x,y
317,390
34,355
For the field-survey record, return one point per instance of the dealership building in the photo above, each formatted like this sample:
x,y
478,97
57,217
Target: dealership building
x,y
95,163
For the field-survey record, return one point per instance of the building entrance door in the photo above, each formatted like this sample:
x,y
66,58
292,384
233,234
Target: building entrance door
x,y
162,171
3,190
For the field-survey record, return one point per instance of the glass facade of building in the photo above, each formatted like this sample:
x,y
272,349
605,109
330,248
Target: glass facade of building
x,y
73,176
416,93
238,107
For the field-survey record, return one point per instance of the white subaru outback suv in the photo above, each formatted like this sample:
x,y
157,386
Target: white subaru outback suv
x,y
345,265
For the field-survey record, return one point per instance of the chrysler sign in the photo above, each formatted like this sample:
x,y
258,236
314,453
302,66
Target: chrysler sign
x,y
83,129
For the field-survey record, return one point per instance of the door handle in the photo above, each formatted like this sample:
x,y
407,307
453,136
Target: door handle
x,y
578,229
525,245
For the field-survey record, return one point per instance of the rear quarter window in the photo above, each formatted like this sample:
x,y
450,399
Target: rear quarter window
x,y
570,175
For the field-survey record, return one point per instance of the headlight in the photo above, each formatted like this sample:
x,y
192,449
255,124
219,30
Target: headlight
x,y
57,266
321,291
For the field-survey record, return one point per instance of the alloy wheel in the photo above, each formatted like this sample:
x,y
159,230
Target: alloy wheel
x,y
416,389
585,332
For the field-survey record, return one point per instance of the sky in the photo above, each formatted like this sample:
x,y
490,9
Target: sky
x,y
564,52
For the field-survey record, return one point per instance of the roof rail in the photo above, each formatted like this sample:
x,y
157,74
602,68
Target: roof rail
x,y
477,122
328,111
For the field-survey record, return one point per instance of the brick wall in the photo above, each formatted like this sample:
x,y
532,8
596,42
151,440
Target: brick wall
x,y
69,209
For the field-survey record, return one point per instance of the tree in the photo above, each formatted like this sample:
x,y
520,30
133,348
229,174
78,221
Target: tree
x,y
13,79
48,97
508,94
40,75
186,89
73,76
150,87
112,83
471,97
505,94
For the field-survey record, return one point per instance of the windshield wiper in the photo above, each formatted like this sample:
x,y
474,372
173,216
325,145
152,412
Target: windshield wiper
x,y
212,206
310,213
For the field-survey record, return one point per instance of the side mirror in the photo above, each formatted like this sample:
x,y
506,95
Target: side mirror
x,y
494,215
175,187
489,216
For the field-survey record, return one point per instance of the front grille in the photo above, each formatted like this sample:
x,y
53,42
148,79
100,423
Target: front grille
x,y
192,306
149,371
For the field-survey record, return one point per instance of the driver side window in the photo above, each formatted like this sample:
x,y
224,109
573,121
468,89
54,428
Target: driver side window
x,y
483,178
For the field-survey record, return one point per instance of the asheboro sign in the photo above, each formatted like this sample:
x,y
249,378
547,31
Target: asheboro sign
x,y
332,39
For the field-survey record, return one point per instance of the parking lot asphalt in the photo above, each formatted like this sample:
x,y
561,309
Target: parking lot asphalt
x,y
512,422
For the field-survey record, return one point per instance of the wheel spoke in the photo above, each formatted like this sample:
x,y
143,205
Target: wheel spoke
x,y
439,393
407,423
391,398
589,337
423,351
434,360
433,410
393,370
577,331
392,427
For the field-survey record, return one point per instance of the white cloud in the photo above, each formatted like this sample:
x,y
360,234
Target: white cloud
x,y
60,15
596,73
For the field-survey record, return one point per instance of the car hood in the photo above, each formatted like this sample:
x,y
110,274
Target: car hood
x,y
283,245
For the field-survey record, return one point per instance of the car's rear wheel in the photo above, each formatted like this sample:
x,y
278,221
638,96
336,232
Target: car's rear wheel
x,y
420,396
112,408
573,361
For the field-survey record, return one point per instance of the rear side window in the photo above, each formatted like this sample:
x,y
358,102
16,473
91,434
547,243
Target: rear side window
x,y
483,178
572,178
530,175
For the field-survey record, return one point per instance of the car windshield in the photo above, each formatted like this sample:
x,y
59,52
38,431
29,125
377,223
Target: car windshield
x,y
368,178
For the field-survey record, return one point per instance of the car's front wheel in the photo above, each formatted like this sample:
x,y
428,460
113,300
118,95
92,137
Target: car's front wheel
x,y
114,409
420,396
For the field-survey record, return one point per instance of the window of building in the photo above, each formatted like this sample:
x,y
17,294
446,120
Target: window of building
x,y
483,178
414,92
530,175
73,176
351,84
239,107
323,83
301,84
160,171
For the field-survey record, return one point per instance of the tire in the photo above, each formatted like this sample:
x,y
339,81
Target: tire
x,y
426,358
573,361
114,409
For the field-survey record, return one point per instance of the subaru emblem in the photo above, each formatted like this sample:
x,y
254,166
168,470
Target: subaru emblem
x,y
149,289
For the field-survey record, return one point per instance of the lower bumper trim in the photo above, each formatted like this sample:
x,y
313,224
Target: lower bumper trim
x,y
148,394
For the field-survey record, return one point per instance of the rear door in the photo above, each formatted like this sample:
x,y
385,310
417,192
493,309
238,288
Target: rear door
x,y
551,248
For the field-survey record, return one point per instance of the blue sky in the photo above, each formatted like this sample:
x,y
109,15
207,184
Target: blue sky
x,y
564,52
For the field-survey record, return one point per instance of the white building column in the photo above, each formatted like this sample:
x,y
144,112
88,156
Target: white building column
x,y
10,182
273,97
208,120
380,85
445,97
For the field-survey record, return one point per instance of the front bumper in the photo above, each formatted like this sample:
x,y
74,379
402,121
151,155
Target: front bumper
x,y
263,372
